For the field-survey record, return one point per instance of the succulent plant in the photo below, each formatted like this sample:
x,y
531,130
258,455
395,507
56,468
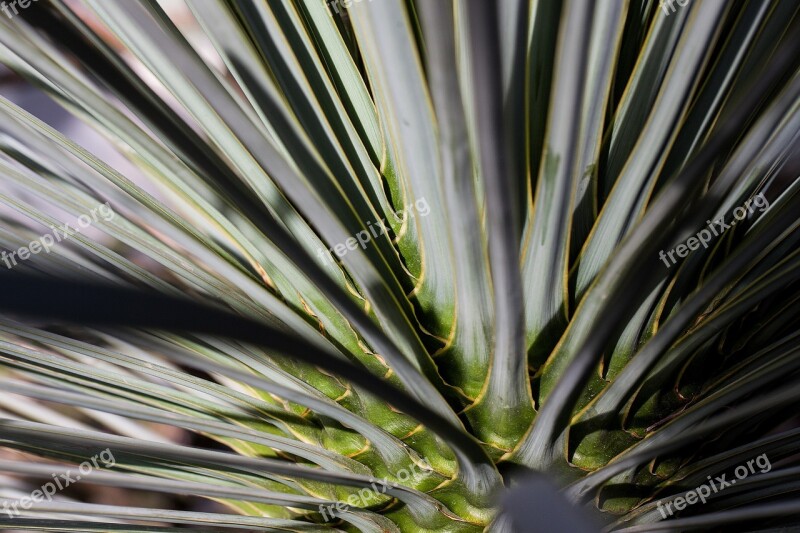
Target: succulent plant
x,y
381,261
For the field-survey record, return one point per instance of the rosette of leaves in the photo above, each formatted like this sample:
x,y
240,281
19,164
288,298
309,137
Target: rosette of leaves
x,y
363,239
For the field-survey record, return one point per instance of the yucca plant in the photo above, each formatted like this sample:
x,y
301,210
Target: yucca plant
x,y
389,257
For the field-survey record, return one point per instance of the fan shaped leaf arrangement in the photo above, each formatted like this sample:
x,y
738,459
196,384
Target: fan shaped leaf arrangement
x,y
383,258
